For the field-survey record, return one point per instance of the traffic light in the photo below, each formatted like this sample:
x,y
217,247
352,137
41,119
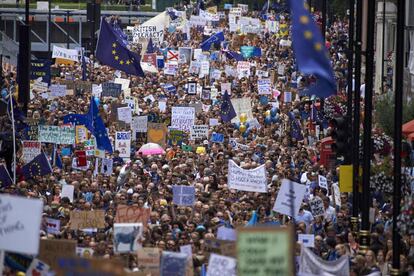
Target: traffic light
x,y
342,136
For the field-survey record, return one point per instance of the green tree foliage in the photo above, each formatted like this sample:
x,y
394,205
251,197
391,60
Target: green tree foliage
x,y
384,113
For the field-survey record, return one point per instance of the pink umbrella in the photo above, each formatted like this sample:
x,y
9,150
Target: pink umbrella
x,y
151,149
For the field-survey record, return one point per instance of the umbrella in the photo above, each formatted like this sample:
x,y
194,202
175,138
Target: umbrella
x,y
408,127
151,149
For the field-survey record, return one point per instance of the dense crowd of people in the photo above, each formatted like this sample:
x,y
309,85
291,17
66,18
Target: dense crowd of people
x,y
288,147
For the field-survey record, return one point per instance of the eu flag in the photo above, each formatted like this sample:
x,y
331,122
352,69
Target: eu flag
x,y
227,110
214,39
310,52
5,179
295,127
234,55
112,51
150,47
94,123
39,166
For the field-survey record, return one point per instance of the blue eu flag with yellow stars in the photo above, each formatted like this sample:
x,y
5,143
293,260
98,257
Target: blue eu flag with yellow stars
x,y
94,123
39,166
214,39
112,51
227,110
5,179
311,54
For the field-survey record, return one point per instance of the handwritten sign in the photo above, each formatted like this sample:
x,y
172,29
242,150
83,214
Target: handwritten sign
x,y
19,229
323,182
107,166
173,263
198,132
123,82
290,193
57,90
31,149
52,250
256,254
182,118
316,205
139,124
221,265
247,180
123,143
149,259
183,195
87,219
81,134
264,87
57,134
132,214
243,69
110,89
125,114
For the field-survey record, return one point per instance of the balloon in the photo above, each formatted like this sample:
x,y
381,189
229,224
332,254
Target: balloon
x,y
247,125
273,112
236,125
268,120
243,117
246,133
267,113
97,101
4,93
242,128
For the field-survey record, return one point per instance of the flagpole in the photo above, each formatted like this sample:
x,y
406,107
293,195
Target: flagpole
x,y
14,134
399,76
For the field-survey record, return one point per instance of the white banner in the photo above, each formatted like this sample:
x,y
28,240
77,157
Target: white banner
x,y
247,180
19,229
123,143
290,193
311,263
182,118
63,53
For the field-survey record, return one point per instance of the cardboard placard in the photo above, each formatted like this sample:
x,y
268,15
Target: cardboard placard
x,y
132,214
52,250
256,254
87,219
149,260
